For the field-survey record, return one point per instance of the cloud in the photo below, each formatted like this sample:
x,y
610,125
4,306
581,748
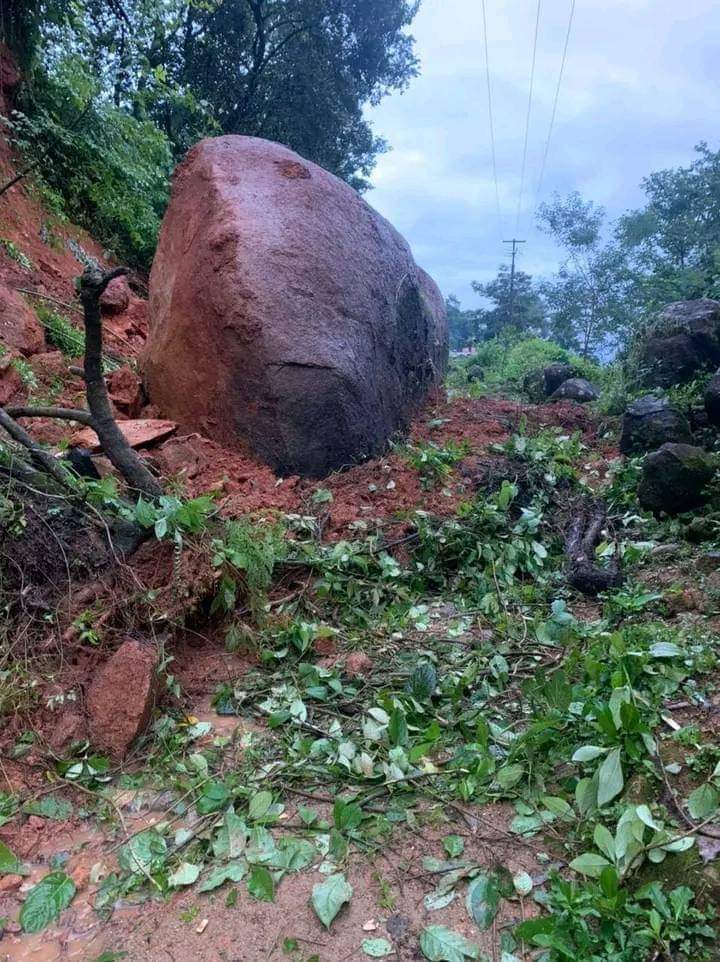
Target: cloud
x,y
638,93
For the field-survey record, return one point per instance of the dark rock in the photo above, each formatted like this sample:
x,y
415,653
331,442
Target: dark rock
x,y
675,478
82,463
285,313
556,374
682,341
540,383
712,399
575,389
121,697
650,422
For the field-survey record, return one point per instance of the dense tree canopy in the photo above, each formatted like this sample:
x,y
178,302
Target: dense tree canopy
x,y
115,90
295,71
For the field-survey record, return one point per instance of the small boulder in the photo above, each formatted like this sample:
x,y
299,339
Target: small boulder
x,y
115,299
575,389
712,399
675,478
541,382
19,327
125,392
650,422
683,340
121,697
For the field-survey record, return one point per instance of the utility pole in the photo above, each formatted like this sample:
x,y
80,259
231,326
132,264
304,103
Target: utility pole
x,y
514,243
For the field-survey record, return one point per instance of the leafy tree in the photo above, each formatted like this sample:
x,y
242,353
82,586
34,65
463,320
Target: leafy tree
x,y
463,325
674,241
516,304
295,71
589,301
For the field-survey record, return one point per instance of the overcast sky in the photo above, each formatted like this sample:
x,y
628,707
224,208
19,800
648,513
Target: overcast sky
x,y
640,89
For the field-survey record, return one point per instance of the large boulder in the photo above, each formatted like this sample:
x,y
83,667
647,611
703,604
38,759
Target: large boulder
x,y
575,389
712,398
285,312
652,421
683,340
675,478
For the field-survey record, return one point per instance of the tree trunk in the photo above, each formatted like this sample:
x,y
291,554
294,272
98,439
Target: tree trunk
x,y
113,441
582,538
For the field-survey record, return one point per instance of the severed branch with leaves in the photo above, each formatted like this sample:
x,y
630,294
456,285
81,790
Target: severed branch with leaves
x,y
99,416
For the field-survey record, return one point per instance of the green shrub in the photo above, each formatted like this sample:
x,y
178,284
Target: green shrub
x,y
60,333
110,169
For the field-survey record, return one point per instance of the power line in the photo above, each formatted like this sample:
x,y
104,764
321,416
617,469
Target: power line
x,y
527,118
491,119
555,102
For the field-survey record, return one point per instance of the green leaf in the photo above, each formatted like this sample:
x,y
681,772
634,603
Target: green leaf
x,y
703,801
483,899
58,809
9,862
441,944
397,729
587,753
328,897
185,874
610,778
346,816
231,838
604,841
522,883
377,948
590,864
423,681
261,885
454,845
214,797
45,901
144,852
665,649
259,805
509,775
232,872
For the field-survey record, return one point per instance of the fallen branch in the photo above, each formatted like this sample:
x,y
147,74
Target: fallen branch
x,y
45,461
92,284
583,536
63,414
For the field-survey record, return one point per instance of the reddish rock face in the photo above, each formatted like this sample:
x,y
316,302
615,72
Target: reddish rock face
x,y
19,327
121,697
10,380
285,312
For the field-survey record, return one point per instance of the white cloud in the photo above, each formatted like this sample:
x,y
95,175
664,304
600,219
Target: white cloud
x,y
639,91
